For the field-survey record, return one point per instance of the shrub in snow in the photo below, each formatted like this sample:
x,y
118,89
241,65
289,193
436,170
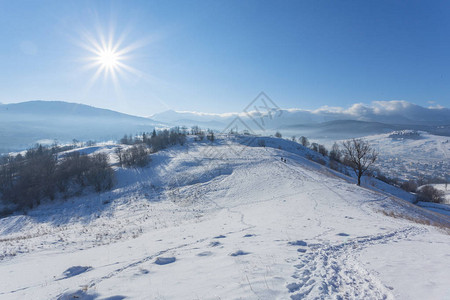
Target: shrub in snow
x,y
409,186
100,175
430,194
135,156
76,171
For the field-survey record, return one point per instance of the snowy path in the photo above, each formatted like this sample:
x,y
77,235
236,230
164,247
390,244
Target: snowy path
x,y
244,226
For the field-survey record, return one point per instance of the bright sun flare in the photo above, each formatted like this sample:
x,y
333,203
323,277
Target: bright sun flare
x,y
108,59
109,55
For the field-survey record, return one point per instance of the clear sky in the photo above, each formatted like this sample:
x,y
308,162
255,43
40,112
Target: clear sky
x,y
216,56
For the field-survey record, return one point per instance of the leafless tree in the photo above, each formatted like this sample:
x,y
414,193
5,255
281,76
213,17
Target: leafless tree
x,y
323,150
304,141
359,155
335,153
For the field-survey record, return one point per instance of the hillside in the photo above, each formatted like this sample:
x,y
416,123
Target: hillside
x,y
24,124
227,221
426,156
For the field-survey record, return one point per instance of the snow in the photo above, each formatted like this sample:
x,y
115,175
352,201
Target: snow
x,y
406,158
437,207
227,221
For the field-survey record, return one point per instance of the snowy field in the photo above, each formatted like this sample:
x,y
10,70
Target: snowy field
x,y
412,158
227,222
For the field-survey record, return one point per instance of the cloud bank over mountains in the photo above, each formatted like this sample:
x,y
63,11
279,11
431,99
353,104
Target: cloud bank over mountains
x,y
389,112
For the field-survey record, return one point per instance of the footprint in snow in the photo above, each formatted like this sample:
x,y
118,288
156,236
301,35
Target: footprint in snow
x,y
343,234
80,294
220,236
83,295
205,253
215,244
165,260
293,287
301,250
248,235
298,243
75,270
239,253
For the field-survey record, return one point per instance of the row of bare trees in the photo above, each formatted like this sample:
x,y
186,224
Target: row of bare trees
x,y
356,153
27,179
146,143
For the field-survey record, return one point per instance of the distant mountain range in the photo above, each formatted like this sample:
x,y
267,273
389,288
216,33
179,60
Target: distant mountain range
x,y
24,124
358,120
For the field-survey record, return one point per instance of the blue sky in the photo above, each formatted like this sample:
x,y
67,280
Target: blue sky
x,y
216,56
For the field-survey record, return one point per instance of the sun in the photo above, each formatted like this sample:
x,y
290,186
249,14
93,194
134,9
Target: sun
x,y
108,58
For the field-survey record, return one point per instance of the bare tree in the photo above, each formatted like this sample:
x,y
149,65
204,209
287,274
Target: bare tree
x,y
304,141
323,150
335,153
315,147
359,155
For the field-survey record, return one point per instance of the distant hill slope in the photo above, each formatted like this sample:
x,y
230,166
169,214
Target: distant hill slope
x,y
345,129
23,124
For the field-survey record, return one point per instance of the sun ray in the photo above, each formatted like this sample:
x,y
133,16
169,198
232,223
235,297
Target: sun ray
x,y
109,55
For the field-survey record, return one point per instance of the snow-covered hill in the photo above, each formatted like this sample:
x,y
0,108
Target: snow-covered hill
x,y
228,221
425,156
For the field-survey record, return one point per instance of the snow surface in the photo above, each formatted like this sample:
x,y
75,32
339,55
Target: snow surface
x,y
227,221
413,158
